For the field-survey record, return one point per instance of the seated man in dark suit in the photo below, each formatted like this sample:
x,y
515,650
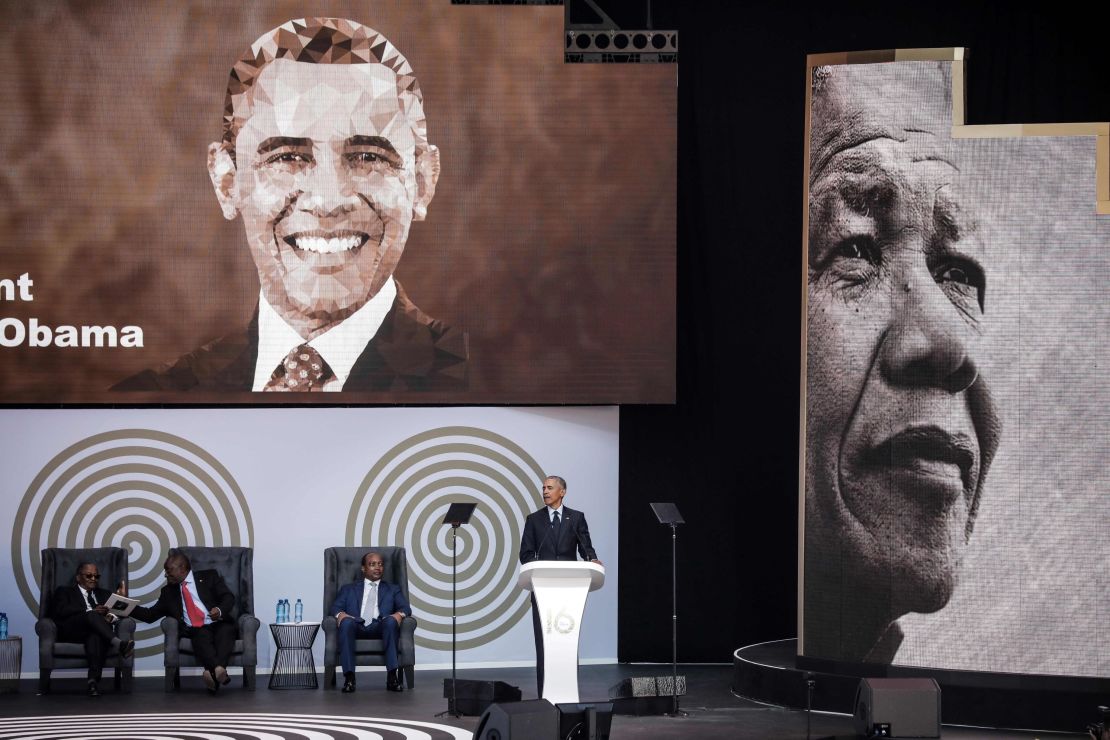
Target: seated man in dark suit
x,y
370,609
203,602
554,532
81,616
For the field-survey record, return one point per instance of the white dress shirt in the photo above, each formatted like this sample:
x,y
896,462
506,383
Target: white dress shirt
x,y
85,596
340,346
551,515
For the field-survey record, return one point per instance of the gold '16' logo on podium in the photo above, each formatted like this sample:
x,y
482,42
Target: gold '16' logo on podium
x,y
562,623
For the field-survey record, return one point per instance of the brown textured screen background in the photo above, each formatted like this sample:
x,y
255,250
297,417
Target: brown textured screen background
x,y
551,238
1034,589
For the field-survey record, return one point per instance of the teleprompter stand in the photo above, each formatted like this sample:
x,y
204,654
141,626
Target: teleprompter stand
x,y
668,514
457,515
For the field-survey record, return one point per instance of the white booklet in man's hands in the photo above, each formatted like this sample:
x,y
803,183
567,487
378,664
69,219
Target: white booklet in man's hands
x,y
121,606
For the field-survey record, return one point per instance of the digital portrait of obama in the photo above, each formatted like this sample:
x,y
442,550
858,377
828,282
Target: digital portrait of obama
x,y
901,426
325,158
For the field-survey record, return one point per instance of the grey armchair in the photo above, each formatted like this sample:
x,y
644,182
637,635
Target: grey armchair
x,y
236,566
58,568
343,565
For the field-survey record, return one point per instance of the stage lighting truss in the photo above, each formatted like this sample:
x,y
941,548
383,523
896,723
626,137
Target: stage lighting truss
x,y
593,30
506,2
624,46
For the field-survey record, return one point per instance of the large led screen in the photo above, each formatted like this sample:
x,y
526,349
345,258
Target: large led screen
x,y
406,201
956,388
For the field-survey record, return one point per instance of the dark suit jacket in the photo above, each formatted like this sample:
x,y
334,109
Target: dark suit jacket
x,y
539,541
211,589
67,601
410,352
390,599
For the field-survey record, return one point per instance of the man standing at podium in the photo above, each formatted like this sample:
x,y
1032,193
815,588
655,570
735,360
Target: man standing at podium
x,y
554,532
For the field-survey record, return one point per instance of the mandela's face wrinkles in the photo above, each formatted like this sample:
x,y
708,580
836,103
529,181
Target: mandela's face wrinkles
x,y
899,424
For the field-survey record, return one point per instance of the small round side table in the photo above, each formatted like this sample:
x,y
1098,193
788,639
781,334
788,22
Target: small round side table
x,y
294,667
11,663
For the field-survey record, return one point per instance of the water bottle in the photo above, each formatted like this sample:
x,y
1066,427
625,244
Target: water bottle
x,y
4,624
298,612
284,611
277,616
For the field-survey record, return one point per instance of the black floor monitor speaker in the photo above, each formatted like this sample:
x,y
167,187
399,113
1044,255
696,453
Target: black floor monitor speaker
x,y
585,721
898,707
521,720
474,697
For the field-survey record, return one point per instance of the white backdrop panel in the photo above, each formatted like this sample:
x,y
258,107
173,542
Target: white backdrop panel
x,y
291,482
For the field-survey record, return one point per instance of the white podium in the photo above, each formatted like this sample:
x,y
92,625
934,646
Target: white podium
x,y
560,588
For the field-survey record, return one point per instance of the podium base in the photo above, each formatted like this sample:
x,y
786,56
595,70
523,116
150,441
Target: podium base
x,y
474,697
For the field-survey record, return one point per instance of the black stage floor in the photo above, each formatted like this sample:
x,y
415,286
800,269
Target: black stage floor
x,y
715,713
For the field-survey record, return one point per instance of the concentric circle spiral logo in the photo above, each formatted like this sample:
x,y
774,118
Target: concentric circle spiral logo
x,y
402,502
237,726
139,489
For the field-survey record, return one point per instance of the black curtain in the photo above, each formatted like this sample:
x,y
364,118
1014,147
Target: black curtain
x,y
727,452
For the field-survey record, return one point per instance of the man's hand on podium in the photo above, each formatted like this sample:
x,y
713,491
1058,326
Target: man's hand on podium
x,y
595,560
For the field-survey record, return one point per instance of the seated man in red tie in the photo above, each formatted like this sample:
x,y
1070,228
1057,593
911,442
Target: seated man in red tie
x,y
204,604
81,616
370,609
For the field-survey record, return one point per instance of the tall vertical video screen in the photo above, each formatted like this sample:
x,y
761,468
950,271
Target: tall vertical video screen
x,y
957,409
403,201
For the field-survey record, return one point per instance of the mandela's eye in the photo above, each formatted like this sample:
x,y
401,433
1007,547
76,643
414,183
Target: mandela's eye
x,y
858,248
956,275
855,260
963,276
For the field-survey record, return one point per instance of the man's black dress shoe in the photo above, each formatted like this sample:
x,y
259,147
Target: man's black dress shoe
x,y
393,681
93,690
349,683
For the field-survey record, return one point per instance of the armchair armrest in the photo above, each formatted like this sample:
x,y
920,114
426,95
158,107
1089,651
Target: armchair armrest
x,y
248,625
248,633
47,630
406,644
171,648
125,628
330,626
